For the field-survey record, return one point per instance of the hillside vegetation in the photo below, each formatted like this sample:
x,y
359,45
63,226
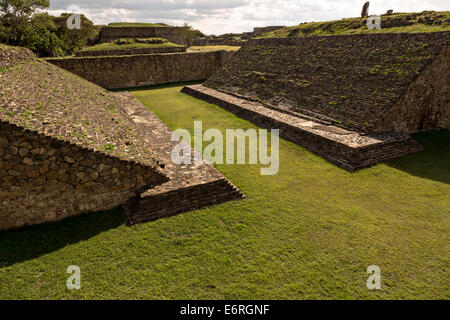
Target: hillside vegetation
x,y
426,21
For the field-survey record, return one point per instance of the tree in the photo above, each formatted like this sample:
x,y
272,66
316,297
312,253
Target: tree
x,y
74,39
189,34
16,14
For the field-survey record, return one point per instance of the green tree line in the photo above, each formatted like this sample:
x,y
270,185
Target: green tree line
x,y
23,23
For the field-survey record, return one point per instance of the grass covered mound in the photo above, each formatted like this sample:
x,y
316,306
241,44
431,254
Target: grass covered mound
x,y
427,21
129,44
137,25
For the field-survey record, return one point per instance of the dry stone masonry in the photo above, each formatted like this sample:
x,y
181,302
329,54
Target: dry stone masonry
x,y
189,187
365,89
44,179
125,52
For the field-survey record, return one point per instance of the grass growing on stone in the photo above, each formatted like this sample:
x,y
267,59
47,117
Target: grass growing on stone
x,y
311,231
131,45
136,24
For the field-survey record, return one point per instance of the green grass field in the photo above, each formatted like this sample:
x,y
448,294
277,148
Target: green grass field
x,y
309,232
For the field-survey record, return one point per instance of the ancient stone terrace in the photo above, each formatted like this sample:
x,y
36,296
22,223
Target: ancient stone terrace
x,y
117,72
10,56
173,34
347,149
353,81
191,186
68,146
351,99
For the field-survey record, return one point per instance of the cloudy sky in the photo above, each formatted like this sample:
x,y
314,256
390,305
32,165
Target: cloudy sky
x,y
223,16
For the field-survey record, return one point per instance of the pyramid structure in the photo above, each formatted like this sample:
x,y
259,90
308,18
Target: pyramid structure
x,y
353,99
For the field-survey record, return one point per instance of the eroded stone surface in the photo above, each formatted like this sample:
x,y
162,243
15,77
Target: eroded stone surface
x,y
191,186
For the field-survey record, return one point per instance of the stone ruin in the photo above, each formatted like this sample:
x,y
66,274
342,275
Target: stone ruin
x,y
352,99
121,43
68,147
172,34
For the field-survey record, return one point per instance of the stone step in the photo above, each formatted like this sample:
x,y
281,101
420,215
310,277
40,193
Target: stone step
x,y
347,149
168,204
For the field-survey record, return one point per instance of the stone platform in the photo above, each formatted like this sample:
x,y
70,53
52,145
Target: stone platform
x,y
347,149
190,187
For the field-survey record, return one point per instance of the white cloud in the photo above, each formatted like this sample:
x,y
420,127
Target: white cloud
x,y
223,16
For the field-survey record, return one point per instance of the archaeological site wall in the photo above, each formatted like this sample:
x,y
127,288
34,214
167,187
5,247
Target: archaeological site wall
x,y
66,145
426,102
114,72
43,179
13,56
173,34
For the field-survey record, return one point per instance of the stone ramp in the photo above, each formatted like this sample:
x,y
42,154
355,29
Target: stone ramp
x,y
190,187
347,149
367,83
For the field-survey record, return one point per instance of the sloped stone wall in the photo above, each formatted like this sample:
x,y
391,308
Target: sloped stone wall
x,y
44,180
144,70
344,148
352,80
10,56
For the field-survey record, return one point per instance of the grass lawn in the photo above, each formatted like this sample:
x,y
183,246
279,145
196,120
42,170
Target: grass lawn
x,y
212,48
309,232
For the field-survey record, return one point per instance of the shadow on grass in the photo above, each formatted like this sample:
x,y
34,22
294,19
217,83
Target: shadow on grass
x,y
160,86
31,242
434,162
